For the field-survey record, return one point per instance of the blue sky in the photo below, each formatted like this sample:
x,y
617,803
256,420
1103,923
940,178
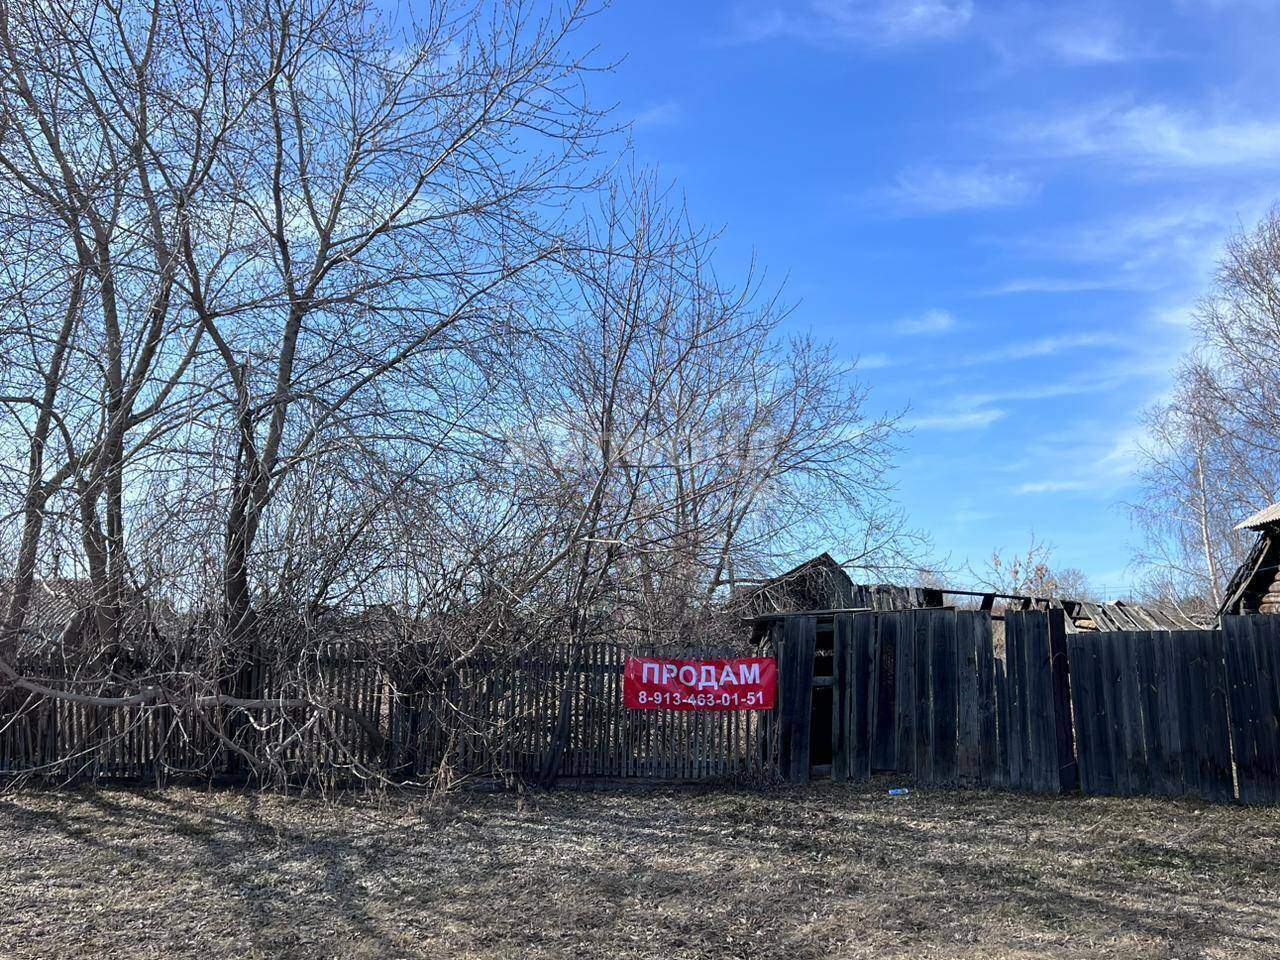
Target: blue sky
x,y
1005,210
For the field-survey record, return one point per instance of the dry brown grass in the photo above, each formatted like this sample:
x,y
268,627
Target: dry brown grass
x,y
825,871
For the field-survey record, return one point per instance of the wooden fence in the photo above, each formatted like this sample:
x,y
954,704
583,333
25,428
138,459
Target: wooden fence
x,y
923,695
929,696
550,712
1151,713
1038,747
1251,652
926,695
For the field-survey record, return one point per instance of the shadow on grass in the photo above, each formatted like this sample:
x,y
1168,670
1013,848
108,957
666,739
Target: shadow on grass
x,y
792,873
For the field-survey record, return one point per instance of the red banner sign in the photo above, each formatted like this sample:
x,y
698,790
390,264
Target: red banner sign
x,y
747,684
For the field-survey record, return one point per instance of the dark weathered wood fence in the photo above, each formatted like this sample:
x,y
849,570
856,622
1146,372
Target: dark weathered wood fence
x,y
933,697
1251,651
922,694
928,695
1151,713
549,712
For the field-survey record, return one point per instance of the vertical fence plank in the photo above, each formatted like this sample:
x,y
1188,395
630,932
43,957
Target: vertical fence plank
x,y
907,697
1001,685
1060,667
1112,711
1014,672
1044,706
1264,635
988,744
942,639
798,644
1220,775
1242,679
968,752
1267,633
861,677
1176,735
1148,679
884,744
1135,756
923,689
1082,711
842,630
1101,727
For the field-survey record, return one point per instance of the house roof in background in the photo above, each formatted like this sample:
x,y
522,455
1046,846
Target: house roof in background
x,y
1263,518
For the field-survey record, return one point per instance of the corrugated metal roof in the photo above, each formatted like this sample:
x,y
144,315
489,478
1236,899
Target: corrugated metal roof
x,y
1263,518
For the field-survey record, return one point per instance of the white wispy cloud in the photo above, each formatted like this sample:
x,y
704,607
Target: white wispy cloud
x,y
1172,245
1080,41
1088,458
1052,285
1098,380
1149,135
968,516
874,361
1040,347
1073,35
930,188
931,321
659,114
956,420
1054,486
867,22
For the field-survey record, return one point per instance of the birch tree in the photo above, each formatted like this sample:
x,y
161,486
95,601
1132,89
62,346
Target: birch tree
x,y
1211,458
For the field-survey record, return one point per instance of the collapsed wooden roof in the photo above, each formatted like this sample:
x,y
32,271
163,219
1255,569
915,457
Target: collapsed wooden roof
x,y
58,615
1085,616
821,584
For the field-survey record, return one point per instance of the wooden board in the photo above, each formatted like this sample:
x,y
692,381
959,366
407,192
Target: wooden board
x,y
968,742
1060,670
861,695
922,704
1016,730
796,689
1245,710
1081,653
884,739
906,704
841,694
943,681
988,710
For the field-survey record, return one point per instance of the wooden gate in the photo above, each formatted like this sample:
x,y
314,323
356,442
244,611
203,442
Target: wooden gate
x,y
922,694
1151,714
1037,738
918,694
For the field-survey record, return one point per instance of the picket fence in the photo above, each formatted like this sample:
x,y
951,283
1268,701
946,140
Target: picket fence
x,y
932,697
547,713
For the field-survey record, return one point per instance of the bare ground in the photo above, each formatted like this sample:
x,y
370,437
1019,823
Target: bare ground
x,y
825,871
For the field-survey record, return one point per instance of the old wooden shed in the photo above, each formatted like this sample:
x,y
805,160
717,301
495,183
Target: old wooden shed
x,y
1255,587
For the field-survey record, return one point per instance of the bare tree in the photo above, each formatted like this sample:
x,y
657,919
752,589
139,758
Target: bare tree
x,y
680,442
1033,573
320,322
1211,455
268,207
